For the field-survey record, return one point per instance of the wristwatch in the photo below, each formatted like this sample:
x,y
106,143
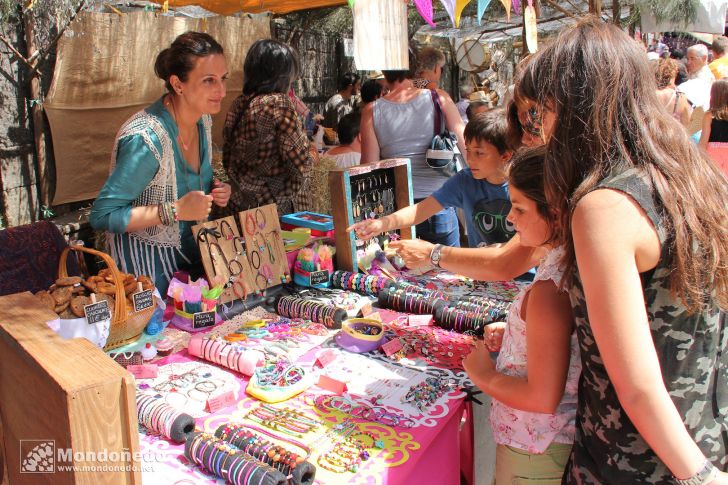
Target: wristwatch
x,y
435,255
706,474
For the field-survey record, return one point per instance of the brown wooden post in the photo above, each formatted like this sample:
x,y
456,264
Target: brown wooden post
x,y
36,94
616,12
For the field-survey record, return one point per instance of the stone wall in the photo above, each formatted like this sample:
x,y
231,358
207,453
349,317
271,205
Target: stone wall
x,y
322,63
18,194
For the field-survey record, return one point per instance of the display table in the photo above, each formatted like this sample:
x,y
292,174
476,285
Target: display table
x,y
426,451
69,392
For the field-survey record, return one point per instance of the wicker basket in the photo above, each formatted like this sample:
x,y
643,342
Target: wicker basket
x,y
124,328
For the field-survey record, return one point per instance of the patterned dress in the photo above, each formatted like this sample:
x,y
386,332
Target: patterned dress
x,y
529,431
266,154
692,353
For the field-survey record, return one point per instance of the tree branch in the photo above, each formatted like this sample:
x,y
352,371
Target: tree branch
x,y
38,53
20,56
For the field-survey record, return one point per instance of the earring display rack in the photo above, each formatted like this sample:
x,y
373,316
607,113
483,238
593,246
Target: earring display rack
x,y
236,257
266,252
365,192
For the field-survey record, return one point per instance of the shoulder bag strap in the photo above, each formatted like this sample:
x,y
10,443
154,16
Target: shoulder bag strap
x,y
438,112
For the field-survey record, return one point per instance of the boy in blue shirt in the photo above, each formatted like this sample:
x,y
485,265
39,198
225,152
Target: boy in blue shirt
x,y
481,190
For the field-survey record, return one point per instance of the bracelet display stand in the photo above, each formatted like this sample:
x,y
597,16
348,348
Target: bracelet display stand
x,y
365,192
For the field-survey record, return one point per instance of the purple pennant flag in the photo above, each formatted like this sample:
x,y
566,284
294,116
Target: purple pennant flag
x,y
424,8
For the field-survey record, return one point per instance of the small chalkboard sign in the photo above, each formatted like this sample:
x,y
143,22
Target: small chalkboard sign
x,y
97,312
318,277
143,300
203,319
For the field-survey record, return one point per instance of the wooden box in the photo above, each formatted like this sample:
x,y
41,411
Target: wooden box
x,y
66,396
394,175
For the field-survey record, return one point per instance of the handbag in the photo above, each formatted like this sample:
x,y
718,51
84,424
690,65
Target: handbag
x,y
443,154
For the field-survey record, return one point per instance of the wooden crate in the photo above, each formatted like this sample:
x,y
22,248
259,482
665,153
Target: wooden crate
x,y
64,391
340,184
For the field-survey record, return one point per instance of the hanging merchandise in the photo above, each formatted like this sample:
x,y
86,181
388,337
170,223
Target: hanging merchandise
x,y
507,6
424,8
482,5
529,19
459,7
380,35
516,4
450,9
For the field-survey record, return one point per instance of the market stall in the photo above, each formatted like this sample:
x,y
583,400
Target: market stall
x,y
308,372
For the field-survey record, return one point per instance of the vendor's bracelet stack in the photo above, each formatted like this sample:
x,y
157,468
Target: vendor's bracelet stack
x,y
167,213
157,416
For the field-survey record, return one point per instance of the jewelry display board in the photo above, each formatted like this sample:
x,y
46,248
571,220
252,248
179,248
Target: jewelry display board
x,y
364,192
235,256
263,238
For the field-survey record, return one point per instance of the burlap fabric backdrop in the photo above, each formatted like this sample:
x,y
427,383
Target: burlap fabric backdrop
x,y
105,72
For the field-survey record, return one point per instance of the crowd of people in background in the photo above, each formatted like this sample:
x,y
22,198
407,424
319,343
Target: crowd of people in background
x,y
607,194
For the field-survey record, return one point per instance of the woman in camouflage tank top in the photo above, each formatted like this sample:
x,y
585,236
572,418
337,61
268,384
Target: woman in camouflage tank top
x,y
643,218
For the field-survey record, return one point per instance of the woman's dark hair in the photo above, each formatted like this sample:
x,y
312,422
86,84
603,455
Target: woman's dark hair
x,y
395,76
525,173
270,67
179,58
348,128
348,79
608,119
370,91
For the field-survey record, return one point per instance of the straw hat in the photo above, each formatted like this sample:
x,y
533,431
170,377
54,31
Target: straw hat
x,y
374,75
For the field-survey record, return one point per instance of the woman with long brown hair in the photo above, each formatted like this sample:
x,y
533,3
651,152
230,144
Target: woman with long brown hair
x,y
643,220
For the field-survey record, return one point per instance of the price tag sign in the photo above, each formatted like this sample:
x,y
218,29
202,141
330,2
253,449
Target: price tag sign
x,y
221,401
203,319
417,320
144,371
326,357
143,300
97,312
318,277
392,347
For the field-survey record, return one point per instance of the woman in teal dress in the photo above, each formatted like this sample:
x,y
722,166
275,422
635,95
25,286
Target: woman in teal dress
x,y
161,180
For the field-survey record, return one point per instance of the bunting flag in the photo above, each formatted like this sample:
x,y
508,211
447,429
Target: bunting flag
x,y
351,3
450,9
507,5
482,5
424,8
516,6
459,6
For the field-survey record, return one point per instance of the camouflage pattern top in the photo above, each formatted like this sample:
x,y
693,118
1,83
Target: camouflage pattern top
x,y
692,353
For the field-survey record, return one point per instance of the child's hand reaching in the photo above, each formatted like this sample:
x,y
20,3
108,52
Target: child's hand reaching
x,y
494,335
478,362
